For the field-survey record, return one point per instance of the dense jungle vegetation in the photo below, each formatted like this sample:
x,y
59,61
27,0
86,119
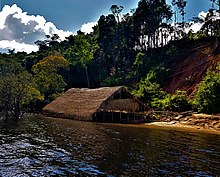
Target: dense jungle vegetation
x,y
136,50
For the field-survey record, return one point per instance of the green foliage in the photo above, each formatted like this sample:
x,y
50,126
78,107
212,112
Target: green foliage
x,y
112,81
139,58
138,63
150,86
177,102
195,36
207,98
17,89
82,52
210,26
162,74
122,49
162,103
150,91
46,76
147,89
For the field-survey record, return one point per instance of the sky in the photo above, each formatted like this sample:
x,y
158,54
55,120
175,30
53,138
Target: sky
x,y
22,22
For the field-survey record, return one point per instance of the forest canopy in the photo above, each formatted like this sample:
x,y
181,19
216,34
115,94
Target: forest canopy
x,y
136,50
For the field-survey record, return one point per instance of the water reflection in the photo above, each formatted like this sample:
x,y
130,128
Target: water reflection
x,y
57,147
26,149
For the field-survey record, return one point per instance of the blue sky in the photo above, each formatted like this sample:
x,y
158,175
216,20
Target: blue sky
x,y
71,14
22,22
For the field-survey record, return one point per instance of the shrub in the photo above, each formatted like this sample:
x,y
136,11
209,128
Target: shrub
x,y
177,102
147,89
207,98
161,104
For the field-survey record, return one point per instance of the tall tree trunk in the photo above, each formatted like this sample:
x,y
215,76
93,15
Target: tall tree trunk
x,y
218,6
165,37
16,113
100,75
87,77
6,115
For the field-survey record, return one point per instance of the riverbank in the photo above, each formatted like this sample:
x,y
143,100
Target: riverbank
x,y
184,120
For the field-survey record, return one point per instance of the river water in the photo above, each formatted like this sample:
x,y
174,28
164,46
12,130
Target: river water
x,y
38,146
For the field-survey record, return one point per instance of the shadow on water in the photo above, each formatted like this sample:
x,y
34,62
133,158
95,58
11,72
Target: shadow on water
x,y
39,146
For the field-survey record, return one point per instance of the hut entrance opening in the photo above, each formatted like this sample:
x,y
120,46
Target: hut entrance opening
x,y
118,117
122,108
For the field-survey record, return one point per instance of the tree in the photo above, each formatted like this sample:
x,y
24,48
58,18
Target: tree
x,y
138,63
211,24
179,28
207,98
51,42
215,2
179,102
11,51
82,52
17,90
46,76
181,4
108,41
148,89
116,10
148,20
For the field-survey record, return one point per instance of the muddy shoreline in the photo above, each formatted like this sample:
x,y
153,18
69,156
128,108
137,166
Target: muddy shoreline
x,y
177,120
184,119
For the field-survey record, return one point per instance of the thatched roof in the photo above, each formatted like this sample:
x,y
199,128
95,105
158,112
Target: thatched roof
x,y
82,103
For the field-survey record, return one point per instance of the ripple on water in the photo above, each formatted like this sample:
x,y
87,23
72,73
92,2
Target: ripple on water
x,y
29,157
53,147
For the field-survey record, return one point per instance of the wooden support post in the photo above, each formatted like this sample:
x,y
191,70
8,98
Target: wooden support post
x,y
112,116
94,117
103,117
128,117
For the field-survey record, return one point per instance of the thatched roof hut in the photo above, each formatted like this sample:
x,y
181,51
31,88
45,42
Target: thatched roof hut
x,y
84,103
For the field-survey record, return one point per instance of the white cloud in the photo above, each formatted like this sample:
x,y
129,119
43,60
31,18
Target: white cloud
x,y
19,47
88,27
196,26
202,15
19,30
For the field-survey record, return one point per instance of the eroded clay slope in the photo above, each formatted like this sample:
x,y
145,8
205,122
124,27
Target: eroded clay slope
x,y
189,71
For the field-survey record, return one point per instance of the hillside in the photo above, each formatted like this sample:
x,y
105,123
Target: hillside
x,y
189,71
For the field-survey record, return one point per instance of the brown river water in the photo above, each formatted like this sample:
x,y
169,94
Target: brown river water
x,y
38,146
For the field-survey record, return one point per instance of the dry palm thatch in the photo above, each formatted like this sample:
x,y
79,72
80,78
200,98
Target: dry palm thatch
x,y
84,103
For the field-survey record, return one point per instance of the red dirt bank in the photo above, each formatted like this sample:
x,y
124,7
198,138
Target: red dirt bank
x,y
189,71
